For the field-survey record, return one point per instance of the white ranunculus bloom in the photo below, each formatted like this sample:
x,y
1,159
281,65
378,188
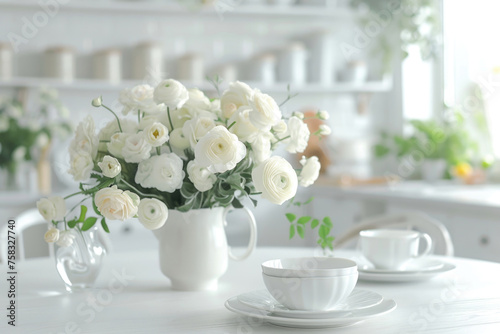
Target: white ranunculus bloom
x,y
265,111
202,178
280,127
52,235
298,114
111,128
178,140
197,100
219,150
276,179
156,134
171,93
310,171
140,99
163,172
52,208
110,166
324,130
136,148
242,127
66,239
237,95
116,144
116,204
196,128
97,102
86,139
152,213
261,147
323,114
299,135
80,165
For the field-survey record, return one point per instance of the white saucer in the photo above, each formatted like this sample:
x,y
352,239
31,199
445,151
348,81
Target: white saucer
x,y
349,318
402,276
416,266
358,299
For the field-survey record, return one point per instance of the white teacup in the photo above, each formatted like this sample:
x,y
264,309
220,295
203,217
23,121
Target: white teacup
x,y
392,249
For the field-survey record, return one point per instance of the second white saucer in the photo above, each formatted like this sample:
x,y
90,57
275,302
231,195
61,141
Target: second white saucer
x,y
419,265
358,299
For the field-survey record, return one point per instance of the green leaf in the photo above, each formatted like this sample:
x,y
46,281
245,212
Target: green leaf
x,y
237,204
104,225
300,231
323,231
292,231
72,223
309,200
291,217
303,220
83,212
314,223
328,222
88,223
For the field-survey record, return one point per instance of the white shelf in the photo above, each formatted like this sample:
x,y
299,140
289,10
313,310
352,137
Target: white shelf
x,y
104,86
174,8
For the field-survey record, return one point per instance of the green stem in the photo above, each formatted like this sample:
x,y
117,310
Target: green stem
x,y
73,208
138,116
284,138
229,127
71,195
158,150
117,119
140,192
170,119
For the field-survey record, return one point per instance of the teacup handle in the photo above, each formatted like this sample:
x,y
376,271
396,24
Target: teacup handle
x,y
253,234
428,242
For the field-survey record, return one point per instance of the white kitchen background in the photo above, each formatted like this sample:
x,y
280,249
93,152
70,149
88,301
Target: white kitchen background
x,y
246,36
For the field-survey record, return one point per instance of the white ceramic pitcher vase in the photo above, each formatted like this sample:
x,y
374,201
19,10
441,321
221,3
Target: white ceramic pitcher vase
x,y
193,247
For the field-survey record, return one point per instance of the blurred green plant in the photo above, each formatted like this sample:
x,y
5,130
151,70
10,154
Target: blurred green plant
x,y
449,140
417,23
24,134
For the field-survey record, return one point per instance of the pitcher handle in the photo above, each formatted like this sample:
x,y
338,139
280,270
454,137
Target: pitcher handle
x,y
253,234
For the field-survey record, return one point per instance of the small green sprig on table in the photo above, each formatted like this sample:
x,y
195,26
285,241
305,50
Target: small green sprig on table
x,y
298,226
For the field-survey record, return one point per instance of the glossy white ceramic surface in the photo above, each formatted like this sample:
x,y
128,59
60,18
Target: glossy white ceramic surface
x,y
193,247
392,249
309,267
310,293
358,299
348,319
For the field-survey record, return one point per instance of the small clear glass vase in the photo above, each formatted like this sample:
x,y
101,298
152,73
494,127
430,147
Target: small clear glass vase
x,y
80,260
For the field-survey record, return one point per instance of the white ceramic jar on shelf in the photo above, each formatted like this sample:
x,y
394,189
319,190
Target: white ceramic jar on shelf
x,y
60,63
6,63
292,64
148,61
108,65
227,72
264,69
321,57
191,68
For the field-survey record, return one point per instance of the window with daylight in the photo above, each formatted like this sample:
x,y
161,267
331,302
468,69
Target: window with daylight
x,y
472,65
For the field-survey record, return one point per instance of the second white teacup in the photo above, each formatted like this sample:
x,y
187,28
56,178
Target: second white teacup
x,y
392,249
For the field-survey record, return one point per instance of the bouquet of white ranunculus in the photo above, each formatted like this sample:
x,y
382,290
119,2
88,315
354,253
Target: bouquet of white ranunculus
x,y
178,149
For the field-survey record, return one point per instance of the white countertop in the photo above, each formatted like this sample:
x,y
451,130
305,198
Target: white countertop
x,y
486,196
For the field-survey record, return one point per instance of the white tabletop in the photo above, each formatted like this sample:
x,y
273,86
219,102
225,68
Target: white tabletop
x,y
466,300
